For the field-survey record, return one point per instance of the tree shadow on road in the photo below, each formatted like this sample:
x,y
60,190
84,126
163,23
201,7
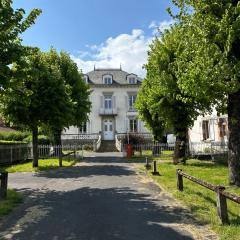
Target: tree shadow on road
x,y
93,214
112,159
87,171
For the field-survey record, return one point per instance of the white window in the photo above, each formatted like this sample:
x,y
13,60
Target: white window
x,y
133,125
132,80
83,128
131,101
205,129
108,102
107,79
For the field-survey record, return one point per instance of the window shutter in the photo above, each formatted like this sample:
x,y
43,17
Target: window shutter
x,y
126,123
101,101
114,101
126,101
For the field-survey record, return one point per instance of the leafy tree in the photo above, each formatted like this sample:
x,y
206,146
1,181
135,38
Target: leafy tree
x,y
78,93
209,66
38,96
161,103
12,25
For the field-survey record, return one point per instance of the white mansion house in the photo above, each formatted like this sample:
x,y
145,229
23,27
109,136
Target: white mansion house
x,y
113,96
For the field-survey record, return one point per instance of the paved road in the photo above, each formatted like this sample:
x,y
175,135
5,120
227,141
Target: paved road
x,y
100,199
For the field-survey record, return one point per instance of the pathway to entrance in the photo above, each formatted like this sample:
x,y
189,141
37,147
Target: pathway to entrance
x,y
102,198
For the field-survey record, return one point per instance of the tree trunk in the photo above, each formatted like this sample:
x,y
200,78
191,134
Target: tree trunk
x,y
234,138
180,147
58,146
35,146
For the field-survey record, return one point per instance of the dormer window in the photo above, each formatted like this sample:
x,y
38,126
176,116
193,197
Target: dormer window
x,y
107,79
132,80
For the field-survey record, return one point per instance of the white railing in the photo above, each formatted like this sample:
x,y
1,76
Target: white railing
x,y
132,109
105,111
118,143
80,136
98,143
208,148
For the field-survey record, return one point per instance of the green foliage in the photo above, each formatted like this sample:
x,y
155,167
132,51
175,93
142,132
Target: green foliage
x,y
132,138
14,136
47,91
45,164
78,94
208,68
79,91
160,102
12,25
42,140
13,200
5,142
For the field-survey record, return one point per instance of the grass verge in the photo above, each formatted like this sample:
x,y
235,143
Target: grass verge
x,y
13,200
43,165
201,201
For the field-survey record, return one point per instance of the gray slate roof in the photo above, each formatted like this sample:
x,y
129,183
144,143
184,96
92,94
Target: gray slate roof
x,y
119,76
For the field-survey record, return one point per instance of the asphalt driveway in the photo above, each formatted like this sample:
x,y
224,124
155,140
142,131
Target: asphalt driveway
x,y
103,198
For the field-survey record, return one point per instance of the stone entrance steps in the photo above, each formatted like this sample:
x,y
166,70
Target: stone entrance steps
x,y
107,146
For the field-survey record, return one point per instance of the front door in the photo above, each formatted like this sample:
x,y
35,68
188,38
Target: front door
x,y
108,129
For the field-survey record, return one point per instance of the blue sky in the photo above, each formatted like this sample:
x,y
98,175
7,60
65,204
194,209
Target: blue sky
x,y
105,33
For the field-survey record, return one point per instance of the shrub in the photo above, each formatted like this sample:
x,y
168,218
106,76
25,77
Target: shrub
x,y
4,142
133,139
88,147
42,140
13,135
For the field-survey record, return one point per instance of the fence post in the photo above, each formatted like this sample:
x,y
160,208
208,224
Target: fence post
x,y
4,182
147,165
82,151
179,180
11,153
155,172
222,205
60,155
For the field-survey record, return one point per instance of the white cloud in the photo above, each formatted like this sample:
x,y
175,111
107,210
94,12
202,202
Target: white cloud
x,y
129,50
160,26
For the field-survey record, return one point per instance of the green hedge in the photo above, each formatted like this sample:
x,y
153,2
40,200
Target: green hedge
x,y
14,136
42,140
3,142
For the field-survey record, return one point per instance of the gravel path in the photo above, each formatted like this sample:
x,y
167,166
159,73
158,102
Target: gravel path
x,y
103,198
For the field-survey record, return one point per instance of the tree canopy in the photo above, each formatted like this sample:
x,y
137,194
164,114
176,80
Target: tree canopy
x,y
48,91
160,101
12,25
209,66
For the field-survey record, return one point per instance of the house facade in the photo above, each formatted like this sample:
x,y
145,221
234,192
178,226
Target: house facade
x,y
113,94
210,128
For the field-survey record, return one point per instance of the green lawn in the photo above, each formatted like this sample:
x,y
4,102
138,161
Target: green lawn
x,y
200,200
165,155
44,164
13,200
